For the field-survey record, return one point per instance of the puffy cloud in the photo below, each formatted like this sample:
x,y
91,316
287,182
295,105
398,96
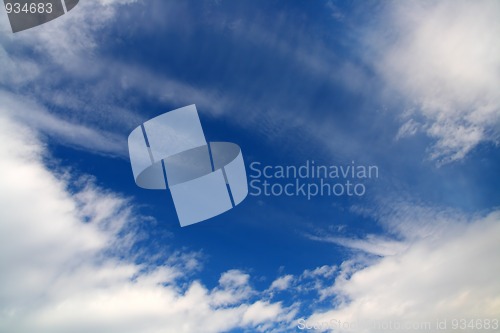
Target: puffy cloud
x,y
234,288
61,257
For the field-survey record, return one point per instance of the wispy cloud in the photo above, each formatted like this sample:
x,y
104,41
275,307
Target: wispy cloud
x,y
372,244
96,95
443,65
63,131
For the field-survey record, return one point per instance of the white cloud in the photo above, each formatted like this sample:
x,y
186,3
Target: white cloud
x,y
64,131
233,288
60,274
72,46
324,271
372,244
443,57
452,274
260,312
16,72
31,90
282,283
409,128
88,109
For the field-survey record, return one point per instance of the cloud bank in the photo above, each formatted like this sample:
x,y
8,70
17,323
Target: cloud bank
x,y
448,269
60,256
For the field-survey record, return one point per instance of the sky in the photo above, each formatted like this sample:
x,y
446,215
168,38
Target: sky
x,y
412,88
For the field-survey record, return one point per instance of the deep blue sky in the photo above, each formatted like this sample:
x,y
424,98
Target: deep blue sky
x,y
199,47
288,81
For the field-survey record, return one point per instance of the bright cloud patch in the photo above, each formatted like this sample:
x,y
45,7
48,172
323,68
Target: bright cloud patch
x,y
451,275
58,275
444,58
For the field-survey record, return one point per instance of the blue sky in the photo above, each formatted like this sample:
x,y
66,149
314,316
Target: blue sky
x,y
409,87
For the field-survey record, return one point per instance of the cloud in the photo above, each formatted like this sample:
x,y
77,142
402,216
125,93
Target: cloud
x,y
282,283
75,79
61,257
76,94
60,276
443,58
324,271
452,274
372,244
63,131
16,71
39,93
233,288
440,56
